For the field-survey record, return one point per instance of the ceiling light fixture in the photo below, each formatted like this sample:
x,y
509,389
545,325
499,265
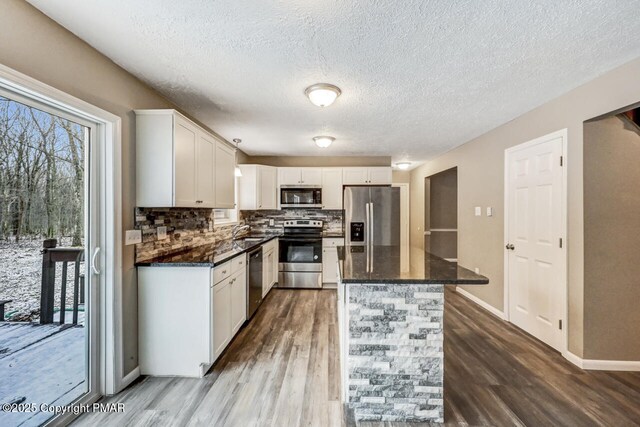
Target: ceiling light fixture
x,y
323,141
322,94
238,172
403,165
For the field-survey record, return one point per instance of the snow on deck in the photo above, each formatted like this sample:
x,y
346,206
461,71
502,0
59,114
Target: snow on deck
x,y
40,364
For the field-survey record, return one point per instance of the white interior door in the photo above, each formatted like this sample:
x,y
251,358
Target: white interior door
x,y
536,262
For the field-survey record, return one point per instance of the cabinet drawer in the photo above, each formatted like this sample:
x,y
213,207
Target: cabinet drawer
x,y
221,272
238,263
332,242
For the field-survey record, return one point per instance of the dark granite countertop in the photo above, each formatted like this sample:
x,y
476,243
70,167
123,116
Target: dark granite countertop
x,y
388,264
208,255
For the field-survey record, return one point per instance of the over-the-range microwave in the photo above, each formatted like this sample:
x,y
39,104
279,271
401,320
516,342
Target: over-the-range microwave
x,y
300,196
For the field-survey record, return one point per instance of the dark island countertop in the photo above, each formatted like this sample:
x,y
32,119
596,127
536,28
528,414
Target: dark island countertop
x,y
208,255
390,264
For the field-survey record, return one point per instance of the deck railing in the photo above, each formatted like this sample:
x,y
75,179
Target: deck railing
x,y
51,255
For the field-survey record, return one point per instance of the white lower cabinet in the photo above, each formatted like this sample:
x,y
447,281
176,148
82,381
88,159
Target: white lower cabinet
x,y
220,317
188,315
269,266
238,300
330,259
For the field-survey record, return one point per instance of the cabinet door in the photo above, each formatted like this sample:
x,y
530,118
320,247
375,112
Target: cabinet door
x,y
311,176
267,187
355,176
276,252
225,176
238,301
329,265
289,176
185,178
266,270
380,176
332,189
205,162
221,316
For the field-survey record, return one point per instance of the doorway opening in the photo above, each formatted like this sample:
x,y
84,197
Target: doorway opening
x,y
441,214
611,231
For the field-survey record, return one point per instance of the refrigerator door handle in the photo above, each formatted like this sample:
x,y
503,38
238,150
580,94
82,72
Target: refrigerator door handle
x,y
367,236
371,223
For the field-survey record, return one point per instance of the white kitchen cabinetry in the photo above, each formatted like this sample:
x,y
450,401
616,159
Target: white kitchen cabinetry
x,y
332,188
176,162
330,259
225,176
299,176
269,266
258,187
220,316
366,176
188,315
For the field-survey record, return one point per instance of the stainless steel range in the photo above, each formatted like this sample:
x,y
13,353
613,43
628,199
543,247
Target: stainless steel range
x,y
300,258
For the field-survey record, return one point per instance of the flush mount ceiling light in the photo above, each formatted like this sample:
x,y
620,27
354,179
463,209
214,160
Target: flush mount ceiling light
x,y
322,94
403,165
323,141
238,172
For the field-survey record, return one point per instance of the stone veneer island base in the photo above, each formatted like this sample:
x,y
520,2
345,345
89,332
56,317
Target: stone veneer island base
x,y
390,315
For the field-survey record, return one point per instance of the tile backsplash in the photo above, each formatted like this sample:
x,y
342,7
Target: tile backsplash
x,y
186,227
190,227
259,220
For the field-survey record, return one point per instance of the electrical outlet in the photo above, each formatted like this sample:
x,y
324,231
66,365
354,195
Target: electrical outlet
x,y
131,237
489,211
477,270
162,233
210,225
478,211
272,222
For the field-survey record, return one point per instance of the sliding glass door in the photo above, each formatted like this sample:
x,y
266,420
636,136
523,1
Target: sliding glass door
x,y
49,260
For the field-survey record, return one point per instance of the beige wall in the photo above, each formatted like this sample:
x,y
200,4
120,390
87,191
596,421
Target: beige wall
x,y
480,165
611,243
321,161
33,44
400,177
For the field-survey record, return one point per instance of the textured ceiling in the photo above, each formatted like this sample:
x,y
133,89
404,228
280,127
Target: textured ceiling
x,y
418,77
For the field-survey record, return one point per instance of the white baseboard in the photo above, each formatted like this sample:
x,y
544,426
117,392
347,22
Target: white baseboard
x,y
491,309
602,365
129,378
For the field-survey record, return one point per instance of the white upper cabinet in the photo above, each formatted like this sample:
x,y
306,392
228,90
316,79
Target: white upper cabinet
x,y
177,165
258,187
332,188
225,176
300,176
311,176
380,176
205,164
365,176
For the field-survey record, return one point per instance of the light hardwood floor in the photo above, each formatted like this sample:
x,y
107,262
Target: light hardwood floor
x,y
282,370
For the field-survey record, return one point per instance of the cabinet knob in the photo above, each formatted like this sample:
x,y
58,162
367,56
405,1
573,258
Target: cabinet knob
x,y
224,271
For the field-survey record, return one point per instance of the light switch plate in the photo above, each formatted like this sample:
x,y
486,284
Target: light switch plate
x,y
478,211
162,233
477,270
210,225
489,211
131,237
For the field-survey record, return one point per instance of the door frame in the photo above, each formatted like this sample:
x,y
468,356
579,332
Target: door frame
x,y
563,134
108,136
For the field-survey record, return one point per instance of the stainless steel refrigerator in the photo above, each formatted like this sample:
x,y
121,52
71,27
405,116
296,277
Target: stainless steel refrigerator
x,y
372,216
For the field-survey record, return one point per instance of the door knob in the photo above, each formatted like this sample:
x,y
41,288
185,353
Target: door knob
x,y
510,246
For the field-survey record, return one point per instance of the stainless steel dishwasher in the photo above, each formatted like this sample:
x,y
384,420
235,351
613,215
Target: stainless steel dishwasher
x,y
254,284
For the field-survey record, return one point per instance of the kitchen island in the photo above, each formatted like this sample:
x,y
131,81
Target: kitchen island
x,y
390,316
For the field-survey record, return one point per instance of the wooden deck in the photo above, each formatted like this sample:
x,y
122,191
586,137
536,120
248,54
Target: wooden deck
x,y
40,364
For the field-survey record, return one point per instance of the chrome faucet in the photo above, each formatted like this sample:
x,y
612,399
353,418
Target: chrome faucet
x,y
239,229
